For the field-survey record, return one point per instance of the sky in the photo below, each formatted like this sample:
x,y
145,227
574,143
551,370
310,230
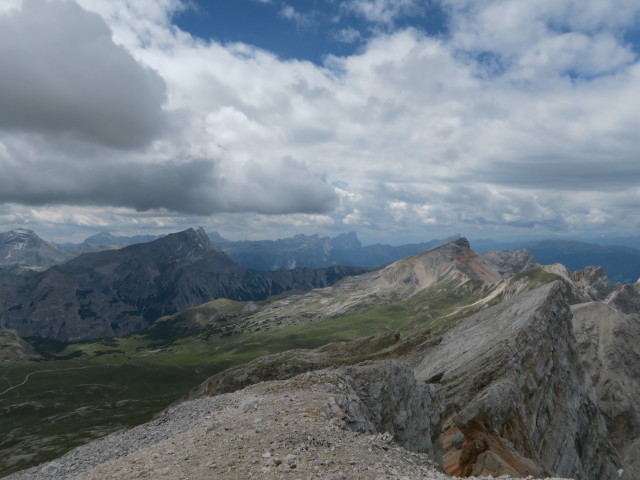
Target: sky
x,y
402,120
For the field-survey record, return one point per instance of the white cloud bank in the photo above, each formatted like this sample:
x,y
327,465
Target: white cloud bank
x,y
523,118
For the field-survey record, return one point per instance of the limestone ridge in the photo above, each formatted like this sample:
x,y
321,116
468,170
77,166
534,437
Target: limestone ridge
x,y
121,291
455,258
592,284
454,264
517,396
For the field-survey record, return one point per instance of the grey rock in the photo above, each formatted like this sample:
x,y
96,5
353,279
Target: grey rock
x,y
625,298
609,346
593,283
514,383
23,247
510,262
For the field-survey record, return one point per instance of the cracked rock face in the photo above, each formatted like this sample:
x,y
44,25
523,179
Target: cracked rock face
x,y
626,298
510,262
593,283
609,345
517,397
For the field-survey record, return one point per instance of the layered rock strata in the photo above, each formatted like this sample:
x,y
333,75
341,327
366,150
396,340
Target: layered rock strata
x,y
517,398
609,345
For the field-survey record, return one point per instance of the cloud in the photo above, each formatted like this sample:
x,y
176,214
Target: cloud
x,y
300,19
347,35
190,186
63,75
382,11
522,119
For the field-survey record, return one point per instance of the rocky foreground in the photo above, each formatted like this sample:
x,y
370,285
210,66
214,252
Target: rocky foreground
x,y
314,426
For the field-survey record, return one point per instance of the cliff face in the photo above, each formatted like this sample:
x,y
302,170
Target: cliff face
x,y
609,345
625,298
517,398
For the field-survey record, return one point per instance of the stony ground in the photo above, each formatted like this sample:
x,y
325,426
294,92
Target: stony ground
x,y
275,430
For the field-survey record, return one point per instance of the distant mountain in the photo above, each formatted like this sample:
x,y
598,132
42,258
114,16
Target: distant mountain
x,y
105,241
316,252
116,292
631,242
622,264
105,238
22,247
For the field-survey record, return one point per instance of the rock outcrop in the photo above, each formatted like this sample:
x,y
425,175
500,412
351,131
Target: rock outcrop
x,y
592,283
510,262
517,398
626,298
13,348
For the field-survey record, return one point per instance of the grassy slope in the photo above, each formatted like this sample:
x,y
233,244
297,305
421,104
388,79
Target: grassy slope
x,y
114,383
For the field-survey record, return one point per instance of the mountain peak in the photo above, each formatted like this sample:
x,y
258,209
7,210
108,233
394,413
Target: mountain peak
x,y
462,242
23,246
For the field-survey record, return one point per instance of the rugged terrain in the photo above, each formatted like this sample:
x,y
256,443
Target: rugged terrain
x,y
117,292
317,252
477,363
609,344
366,422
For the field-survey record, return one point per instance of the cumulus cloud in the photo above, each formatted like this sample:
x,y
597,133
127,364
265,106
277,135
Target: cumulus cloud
x,y
190,186
62,74
523,117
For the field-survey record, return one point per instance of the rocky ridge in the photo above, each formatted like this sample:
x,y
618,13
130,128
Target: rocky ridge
x,y
454,264
320,425
516,396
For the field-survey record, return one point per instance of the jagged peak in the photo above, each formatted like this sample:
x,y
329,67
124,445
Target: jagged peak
x,y
462,242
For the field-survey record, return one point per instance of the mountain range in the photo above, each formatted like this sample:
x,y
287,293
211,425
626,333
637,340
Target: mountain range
x,y
621,261
117,292
475,364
